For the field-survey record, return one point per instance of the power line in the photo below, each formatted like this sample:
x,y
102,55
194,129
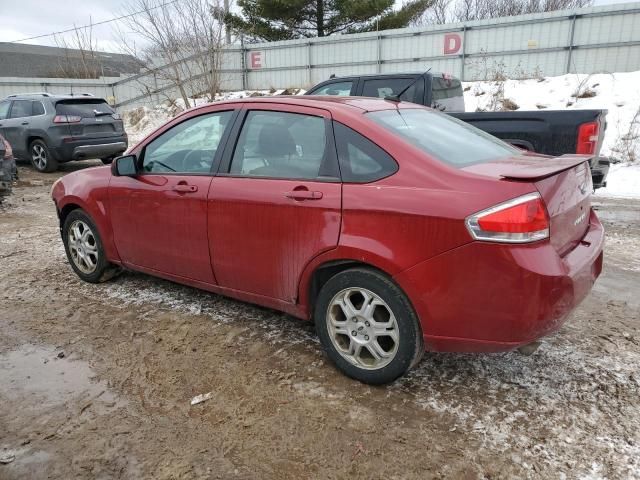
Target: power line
x,y
94,24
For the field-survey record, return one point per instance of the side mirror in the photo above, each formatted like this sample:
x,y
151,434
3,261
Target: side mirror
x,y
125,166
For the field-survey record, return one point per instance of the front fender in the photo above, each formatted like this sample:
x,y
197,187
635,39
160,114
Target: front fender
x,y
88,190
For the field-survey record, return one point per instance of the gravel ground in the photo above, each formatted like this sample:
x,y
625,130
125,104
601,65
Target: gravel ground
x,y
97,380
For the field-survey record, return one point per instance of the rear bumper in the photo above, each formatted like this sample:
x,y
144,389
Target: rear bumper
x,y
489,297
94,148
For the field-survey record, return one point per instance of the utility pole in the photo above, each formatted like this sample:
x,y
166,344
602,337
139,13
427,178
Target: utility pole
x,y
227,31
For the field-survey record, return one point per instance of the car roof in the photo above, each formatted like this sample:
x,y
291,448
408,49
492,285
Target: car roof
x,y
40,95
327,102
387,74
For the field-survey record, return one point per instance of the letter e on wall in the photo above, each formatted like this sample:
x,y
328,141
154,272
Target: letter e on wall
x,y
256,59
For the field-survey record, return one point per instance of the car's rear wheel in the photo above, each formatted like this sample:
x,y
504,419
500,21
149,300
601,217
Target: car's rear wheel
x,y
41,157
367,326
84,248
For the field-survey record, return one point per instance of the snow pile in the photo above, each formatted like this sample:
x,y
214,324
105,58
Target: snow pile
x,y
623,181
141,121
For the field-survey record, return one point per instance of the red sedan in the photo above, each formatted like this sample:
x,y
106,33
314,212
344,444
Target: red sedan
x,y
393,227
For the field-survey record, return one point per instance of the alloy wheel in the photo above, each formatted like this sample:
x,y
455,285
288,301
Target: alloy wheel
x,y
39,156
83,247
363,328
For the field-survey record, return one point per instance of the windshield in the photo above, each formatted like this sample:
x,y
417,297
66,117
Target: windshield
x,y
446,138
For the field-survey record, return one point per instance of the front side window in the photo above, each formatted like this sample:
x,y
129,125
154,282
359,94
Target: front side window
x,y
188,147
336,88
282,145
383,87
442,136
21,108
4,110
361,160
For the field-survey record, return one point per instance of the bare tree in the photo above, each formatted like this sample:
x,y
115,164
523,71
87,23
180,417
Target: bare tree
x,y
445,11
80,58
183,45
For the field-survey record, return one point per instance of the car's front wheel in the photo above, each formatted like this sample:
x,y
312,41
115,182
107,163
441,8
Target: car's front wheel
x,y
367,326
41,157
84,248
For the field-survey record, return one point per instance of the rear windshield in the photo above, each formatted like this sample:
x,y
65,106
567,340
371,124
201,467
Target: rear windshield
x,y
84,107
442,136
447,94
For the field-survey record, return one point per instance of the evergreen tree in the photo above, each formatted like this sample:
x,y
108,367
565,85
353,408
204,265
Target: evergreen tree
x,y
272,20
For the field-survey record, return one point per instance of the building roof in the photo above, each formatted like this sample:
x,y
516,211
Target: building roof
x,y
29,61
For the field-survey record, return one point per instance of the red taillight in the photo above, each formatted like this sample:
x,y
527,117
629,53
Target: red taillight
x,y
588,138
66,119
523,219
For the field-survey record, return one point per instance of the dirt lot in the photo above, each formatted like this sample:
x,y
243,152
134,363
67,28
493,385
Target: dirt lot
x,y
96,381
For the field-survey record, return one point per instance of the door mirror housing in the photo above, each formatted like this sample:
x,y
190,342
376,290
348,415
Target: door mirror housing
x,y
125,166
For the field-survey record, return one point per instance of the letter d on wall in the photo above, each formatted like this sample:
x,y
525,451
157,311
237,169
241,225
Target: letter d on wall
x,y
452,43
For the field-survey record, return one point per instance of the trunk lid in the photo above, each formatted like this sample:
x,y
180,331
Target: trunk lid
x,y
97,118
564,184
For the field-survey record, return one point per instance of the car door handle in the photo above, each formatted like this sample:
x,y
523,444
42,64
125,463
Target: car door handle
x,y
184,188
24,123
304,195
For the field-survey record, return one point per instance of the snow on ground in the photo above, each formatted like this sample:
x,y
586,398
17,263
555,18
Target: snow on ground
x,y
616,92
623,181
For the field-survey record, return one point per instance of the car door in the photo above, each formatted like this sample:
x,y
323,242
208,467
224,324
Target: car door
x,y
16,126
159,217
276,201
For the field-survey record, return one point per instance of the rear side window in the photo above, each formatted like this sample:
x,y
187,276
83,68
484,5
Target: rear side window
x,y
4,110
442,136
84,108
38,108
383,87
447,94
283,145
361,160
21,108
336,88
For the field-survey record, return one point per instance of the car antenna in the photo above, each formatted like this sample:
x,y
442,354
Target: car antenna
x,y
396,97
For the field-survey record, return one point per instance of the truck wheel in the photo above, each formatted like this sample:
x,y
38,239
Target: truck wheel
x,y
41,158
84,248
367,326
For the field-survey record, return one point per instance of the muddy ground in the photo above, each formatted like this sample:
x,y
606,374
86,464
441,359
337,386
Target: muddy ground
x,y
96,381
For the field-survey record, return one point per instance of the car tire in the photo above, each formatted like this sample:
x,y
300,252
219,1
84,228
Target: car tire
x,y
108,160
367,326
41,157
85,250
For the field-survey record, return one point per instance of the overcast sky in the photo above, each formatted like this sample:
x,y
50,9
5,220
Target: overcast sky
x,y
27,18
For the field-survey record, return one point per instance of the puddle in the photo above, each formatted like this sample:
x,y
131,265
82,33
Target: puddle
x,y
34,377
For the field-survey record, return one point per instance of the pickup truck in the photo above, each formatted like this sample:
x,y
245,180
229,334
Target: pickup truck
x,y
548,132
